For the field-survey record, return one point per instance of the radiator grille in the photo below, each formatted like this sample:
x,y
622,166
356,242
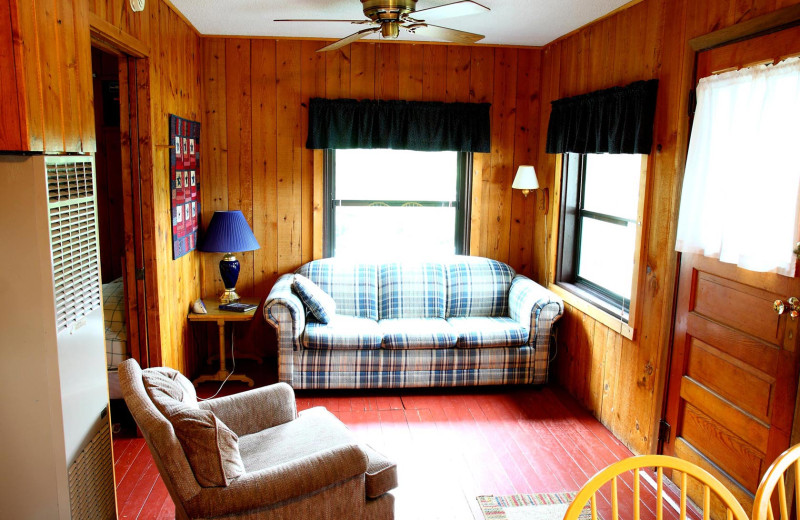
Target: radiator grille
x,y
91,480
73,241
69,180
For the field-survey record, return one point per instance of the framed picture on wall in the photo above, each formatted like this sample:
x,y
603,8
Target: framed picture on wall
x,y
184,171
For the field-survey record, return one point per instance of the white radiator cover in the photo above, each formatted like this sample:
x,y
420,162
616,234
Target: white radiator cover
x,y
53,387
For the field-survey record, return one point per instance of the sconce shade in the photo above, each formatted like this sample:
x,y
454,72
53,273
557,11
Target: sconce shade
x,y
228,232
525,178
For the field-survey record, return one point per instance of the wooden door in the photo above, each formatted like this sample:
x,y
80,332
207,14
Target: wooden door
x,y
734,367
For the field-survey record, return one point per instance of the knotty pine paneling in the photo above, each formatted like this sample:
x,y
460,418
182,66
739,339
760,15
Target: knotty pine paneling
x,y
617,378
45,60
175,72
255,101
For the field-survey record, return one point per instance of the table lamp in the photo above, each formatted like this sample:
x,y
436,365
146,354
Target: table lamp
x,y
228,232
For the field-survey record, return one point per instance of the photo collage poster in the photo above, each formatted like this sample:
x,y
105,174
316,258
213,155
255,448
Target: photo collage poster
x,y
184,167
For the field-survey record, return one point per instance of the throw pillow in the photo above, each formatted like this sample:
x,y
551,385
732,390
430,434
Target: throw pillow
x,y
318,302
169,381
210,446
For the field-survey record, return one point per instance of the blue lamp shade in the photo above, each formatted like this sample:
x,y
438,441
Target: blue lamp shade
x,y
229,232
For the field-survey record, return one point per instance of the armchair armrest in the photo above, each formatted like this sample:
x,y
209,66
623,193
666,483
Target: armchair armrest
x,y
279,483
534,306
255,410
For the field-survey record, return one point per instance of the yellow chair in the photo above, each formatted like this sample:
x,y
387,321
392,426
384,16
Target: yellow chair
x,y
762,505
588,492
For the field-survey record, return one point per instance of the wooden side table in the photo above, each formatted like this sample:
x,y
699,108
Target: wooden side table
x,y
220,317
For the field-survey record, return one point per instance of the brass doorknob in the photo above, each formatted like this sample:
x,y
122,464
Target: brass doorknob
x,y
793,304
778,306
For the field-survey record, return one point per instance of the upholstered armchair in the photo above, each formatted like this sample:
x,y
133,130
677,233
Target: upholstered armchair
x,y
250,455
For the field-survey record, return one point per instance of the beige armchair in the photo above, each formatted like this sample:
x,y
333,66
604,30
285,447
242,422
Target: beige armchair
x,y
268,461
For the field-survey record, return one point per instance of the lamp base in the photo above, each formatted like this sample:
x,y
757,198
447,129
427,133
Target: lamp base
x,y
229,296
229,272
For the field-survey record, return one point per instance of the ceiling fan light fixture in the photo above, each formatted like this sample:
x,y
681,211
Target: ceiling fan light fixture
x,y
390,30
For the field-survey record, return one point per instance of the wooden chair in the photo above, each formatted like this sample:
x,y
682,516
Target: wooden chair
x,y
775,477
588,492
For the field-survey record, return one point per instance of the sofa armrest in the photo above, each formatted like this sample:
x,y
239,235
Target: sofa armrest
x,y
255,410
285,312
280,483
534,306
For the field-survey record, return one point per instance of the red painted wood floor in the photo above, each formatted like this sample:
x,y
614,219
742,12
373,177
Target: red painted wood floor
x,y
450,446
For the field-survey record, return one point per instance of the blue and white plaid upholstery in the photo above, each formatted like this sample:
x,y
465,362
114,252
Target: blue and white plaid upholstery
x,y
284,311
417,333
353,286
317,301
416,352
343,333
416,368
411,290
483,332
477,287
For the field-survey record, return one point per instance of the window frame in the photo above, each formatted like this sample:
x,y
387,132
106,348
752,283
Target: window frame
x,y
462,204
598,302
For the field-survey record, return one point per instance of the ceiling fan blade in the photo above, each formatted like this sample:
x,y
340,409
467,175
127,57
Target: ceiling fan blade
x,y
462,8
443,33
316,20
350,39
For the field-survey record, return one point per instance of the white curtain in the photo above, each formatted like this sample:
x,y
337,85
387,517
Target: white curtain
x,y
742,182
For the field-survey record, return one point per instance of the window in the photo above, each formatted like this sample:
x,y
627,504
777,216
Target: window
x,y
397,203
599,231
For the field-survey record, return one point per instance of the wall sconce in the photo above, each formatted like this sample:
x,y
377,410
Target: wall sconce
x,y
527,181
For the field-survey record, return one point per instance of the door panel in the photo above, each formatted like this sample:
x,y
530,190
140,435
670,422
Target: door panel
x,y
729,368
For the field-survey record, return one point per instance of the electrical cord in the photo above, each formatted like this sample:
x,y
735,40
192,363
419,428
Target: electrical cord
x,y
233,367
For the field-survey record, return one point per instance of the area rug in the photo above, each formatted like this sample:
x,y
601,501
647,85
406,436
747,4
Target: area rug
x,y
539,506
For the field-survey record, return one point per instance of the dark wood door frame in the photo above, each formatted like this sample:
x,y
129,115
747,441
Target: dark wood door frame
x,y
759,26
140,266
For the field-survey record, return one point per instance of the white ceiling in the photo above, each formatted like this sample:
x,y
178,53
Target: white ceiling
x,y
510,22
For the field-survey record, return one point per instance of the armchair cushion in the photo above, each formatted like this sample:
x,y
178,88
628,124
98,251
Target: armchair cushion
x,y
255,410
317,301
381,473
211,448
170,382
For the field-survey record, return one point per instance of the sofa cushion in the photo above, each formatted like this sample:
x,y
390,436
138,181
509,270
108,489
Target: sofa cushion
x,y
343,333
414,333
411,290
317,301
477,287
353,286
482,332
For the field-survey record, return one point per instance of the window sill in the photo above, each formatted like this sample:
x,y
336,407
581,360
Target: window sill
x,y
591,306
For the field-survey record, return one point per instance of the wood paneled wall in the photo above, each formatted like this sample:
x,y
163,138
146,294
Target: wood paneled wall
x,y
255,99
617,378
175,71
46,87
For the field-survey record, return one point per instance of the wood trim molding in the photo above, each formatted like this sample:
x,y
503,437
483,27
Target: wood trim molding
x,y
770,22
115,39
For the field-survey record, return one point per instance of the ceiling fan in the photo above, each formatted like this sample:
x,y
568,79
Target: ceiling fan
x,y
389,16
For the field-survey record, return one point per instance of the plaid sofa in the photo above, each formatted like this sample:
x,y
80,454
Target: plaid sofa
x,y
466,321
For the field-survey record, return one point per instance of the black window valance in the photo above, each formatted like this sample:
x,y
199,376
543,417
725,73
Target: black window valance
x,y
399,125
614,120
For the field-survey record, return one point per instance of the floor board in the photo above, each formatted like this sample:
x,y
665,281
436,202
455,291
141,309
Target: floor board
x,y
450,446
